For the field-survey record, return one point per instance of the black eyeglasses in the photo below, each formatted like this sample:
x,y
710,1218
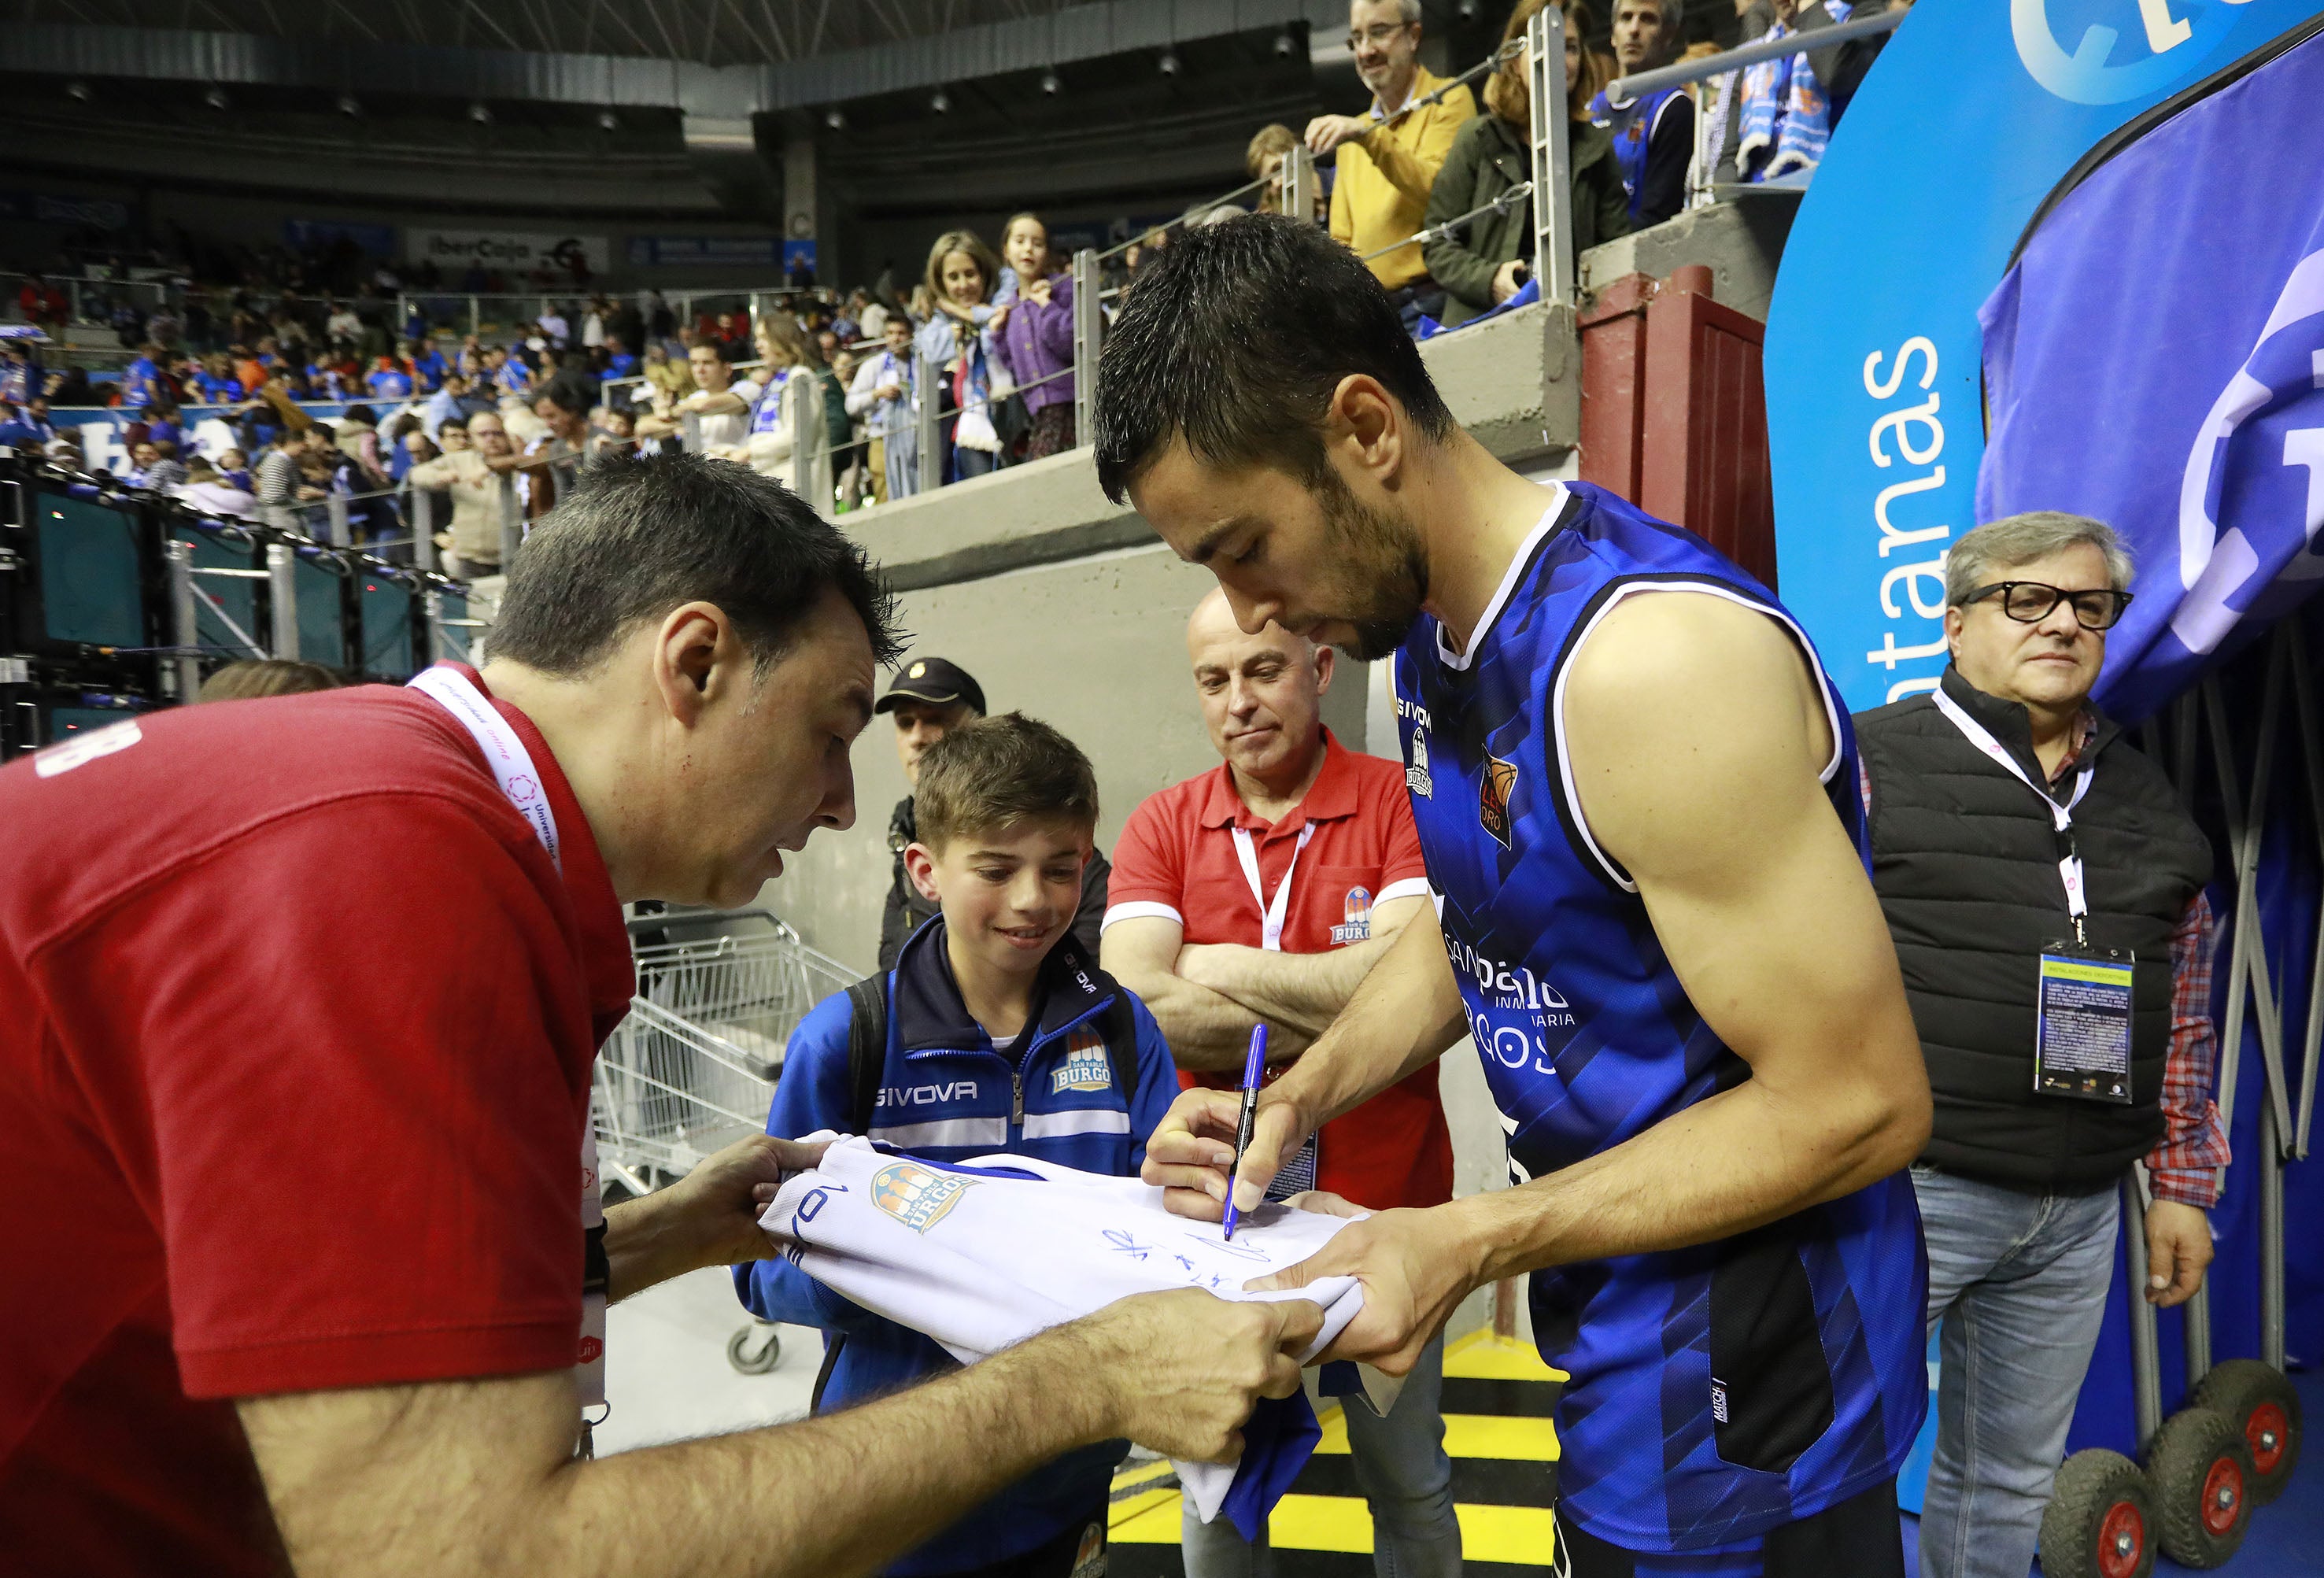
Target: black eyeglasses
x,y
2029,601
1376,35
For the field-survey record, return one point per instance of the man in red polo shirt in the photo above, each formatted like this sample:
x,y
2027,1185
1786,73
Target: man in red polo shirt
x,y
299,999
1261,892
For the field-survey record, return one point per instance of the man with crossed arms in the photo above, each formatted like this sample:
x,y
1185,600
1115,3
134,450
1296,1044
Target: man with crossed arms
x,y
1265,889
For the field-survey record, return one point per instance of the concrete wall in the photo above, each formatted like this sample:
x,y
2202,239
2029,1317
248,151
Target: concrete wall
x,y
1741,241
1095,646
1066,605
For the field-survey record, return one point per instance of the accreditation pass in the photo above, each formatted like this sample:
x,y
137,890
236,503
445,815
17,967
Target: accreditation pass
x,y
2082,1038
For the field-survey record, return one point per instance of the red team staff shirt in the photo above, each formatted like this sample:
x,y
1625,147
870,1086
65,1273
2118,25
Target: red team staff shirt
x,y
1177,858
296,1027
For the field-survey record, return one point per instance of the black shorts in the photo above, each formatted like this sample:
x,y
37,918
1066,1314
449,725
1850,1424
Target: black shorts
x,y
1859,1538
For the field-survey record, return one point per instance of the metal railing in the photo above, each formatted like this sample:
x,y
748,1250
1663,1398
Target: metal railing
x,y
80,293
505,309
1710,127
188,593
1543,50
1623,88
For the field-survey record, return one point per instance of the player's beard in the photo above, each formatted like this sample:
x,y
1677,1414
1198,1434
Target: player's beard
x,y
1380,577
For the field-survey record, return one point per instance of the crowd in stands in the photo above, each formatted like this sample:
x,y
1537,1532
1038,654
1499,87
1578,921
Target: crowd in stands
x,y
826,392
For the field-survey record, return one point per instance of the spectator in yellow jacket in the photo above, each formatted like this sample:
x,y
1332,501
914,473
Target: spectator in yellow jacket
x,y
1389,156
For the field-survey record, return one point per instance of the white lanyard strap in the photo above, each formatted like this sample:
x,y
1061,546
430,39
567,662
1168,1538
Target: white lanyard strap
x,y
513,771
2062,817
504,751
1270,916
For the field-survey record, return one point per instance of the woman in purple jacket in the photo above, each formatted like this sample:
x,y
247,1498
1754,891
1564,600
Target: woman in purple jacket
x,y
1037,338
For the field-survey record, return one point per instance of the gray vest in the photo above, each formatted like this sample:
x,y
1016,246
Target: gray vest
x,y
1965,861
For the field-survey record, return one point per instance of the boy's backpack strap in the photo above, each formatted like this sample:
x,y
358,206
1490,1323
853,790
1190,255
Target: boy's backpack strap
x,y
867,1060
867,1049
1121,1033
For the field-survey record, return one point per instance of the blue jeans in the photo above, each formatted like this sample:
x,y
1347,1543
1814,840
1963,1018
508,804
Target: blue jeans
x,y
1407,1479
2018,1285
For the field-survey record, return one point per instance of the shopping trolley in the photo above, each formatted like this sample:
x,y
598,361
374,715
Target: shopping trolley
x,y
691,1070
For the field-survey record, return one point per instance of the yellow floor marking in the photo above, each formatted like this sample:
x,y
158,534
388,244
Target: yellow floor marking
x,y
1482,1356
1154,1523
1130,1508
1134,1474
1523,1535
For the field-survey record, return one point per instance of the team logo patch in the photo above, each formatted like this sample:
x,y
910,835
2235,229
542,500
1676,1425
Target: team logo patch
x,y
1494,786
914,1195
1355,918
1086,1066
1416,774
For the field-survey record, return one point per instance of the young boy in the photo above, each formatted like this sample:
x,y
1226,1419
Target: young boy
x,y
1002,1035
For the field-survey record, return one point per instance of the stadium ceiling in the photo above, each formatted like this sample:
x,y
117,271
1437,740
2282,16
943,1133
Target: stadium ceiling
x,y
710,32
717,57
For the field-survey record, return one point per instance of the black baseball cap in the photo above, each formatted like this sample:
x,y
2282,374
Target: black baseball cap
x,y
934,680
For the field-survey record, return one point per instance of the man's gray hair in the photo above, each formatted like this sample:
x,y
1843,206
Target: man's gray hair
x,y
1977,559
1407,12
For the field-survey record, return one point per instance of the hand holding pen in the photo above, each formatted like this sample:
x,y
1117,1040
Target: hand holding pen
x,y
1254,1065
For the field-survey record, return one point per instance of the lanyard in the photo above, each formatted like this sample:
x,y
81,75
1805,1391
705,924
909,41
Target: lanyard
x,y
1270,916
512,769
2062,817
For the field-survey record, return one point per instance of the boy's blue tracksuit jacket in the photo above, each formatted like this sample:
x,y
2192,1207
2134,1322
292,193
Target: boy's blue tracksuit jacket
x,y
946,1095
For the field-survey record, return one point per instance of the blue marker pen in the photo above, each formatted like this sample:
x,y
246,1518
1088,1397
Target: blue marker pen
x,y
1253,1065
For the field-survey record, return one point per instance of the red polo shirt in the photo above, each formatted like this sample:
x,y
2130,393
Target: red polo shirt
x,y
1177,858
296,1027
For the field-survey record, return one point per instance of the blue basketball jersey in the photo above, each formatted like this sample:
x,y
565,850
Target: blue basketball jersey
x,y
1720,1390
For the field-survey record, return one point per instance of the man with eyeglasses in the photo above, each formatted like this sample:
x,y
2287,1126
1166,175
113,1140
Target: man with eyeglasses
x,y
2045,891
1388,157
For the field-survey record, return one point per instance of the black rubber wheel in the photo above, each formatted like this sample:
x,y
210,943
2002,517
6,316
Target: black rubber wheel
x,y
2267,1406
751,1353
2100,1521
2200,1466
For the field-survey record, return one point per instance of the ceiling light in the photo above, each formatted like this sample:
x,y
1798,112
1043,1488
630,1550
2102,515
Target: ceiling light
x,y
1169,62
834,119
481,114
1285,46
940,102
79,91
216,98
1468,9
348,106
1051,83
607,121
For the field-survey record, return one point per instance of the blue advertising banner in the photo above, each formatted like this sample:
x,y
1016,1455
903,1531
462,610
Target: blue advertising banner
x,y
2155,359
703,251
306,235
47,208
1975,111
209,430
